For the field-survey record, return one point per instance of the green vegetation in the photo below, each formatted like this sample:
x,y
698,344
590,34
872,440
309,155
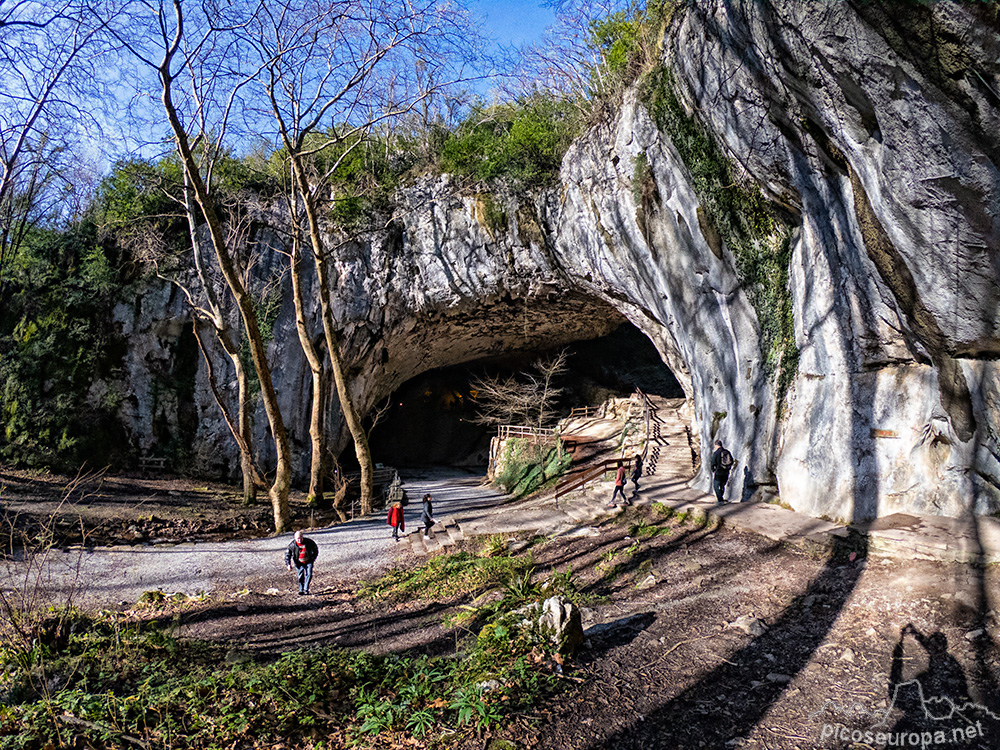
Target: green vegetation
x,y
644,529
627,42
125,685
56,339
742,217
445,576
520,144
527,466
69,679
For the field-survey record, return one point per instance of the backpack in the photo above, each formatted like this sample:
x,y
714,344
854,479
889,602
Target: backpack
x,y
726,459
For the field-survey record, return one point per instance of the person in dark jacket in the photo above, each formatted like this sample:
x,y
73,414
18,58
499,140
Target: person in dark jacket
x,y
722,464
396,519
303,552
427,515
636,473
619,485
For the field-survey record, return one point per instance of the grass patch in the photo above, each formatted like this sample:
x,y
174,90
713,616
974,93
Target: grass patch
x,y
114,684
643,529
446,576
527,467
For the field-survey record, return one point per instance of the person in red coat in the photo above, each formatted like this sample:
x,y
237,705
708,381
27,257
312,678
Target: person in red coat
x,y
396,519
619,485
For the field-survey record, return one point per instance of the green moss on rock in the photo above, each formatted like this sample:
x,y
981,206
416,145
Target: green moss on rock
x,y
734,211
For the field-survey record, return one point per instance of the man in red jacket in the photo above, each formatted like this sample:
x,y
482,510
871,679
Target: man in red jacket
x,y
303,552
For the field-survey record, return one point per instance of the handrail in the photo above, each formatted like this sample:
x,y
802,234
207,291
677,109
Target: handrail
x,y
647,408
580,478
524,431
584,411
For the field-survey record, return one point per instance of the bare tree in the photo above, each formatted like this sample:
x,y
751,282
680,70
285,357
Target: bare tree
x,y
593,48
333,72
525,398
48,62
203,56
151,241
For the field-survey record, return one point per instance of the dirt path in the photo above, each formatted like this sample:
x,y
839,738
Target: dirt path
x,y
703,637
113,576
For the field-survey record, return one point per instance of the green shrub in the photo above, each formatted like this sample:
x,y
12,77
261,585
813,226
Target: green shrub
x,y
56,340
521,143
527,466
121,685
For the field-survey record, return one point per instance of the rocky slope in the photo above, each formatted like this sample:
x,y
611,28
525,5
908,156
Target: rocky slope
x,y
870,133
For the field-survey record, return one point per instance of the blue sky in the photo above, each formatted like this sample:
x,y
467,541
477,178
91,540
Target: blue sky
x,y
513,22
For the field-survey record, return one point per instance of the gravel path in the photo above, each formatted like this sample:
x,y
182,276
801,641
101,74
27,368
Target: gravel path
x,y
113,576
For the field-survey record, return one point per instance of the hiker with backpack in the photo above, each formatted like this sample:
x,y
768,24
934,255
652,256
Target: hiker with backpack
x,y
303,552
722,464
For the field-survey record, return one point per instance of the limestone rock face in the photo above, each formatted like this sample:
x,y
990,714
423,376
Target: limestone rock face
x,y
872,129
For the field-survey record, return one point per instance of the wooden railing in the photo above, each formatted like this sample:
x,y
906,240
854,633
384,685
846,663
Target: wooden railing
x,y
527,433
578,479
584,412
647,411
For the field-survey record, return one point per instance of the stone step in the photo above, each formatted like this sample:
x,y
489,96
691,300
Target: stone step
x,y
454,531
415,540
432,543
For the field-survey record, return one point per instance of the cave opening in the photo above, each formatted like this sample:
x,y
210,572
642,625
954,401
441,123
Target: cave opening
x,y
431,419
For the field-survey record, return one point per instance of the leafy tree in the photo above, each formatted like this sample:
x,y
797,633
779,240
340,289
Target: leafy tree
x,y
56,340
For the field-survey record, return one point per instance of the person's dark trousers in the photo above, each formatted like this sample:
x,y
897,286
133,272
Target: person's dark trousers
x,y
305,573
395,533
720,486
619,490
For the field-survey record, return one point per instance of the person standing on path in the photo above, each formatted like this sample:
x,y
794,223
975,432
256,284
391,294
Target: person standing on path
x,y
722,464
303,552
396,519
619,486
636,474
427,515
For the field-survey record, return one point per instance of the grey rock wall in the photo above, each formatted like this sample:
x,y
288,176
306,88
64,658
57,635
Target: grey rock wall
x,y
873,128
878,122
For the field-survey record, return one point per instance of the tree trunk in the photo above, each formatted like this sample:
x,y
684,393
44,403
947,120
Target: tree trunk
x,y
250,477
278,491
351,416
316,433
241,431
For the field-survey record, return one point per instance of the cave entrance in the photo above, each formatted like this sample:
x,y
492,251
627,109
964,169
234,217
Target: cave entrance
x,y
431,419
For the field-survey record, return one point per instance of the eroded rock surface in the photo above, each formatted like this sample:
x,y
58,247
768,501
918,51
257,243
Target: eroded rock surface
x,y
872,131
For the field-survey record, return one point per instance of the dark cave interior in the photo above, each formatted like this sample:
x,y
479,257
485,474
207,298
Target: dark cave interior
x,y
430,420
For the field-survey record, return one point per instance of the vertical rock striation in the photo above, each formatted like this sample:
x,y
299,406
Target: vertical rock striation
x,y
863,139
